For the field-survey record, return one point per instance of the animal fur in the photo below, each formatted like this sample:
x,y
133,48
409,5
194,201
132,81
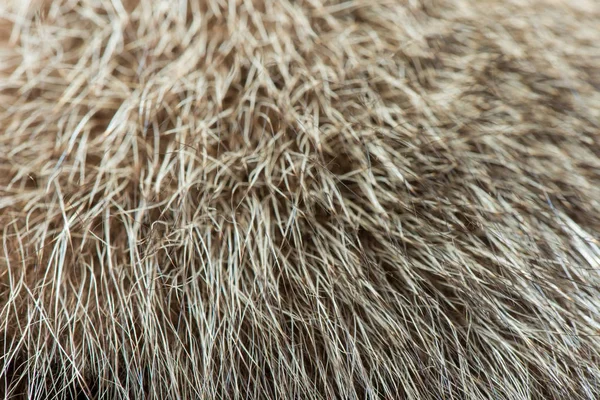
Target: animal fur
x,y
309,199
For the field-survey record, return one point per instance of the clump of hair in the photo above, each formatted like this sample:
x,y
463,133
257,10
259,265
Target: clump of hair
x,y
278,199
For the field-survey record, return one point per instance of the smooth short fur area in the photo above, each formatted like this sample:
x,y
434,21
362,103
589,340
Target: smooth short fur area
x,y
300,199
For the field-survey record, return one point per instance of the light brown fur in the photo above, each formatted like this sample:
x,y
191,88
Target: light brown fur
x,y
300,199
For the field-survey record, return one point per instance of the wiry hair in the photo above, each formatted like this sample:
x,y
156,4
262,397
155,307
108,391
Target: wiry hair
x,y
300,199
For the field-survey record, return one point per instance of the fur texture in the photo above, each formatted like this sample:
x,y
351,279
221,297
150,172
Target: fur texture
x,y
308,199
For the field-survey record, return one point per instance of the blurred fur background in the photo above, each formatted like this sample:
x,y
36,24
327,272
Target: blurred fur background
x,y
310,199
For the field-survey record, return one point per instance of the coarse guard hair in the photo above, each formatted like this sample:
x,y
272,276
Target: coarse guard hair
x,y
300,199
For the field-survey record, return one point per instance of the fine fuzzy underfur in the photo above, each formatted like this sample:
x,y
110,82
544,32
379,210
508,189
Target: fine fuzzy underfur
x,y
309,199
